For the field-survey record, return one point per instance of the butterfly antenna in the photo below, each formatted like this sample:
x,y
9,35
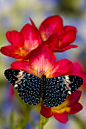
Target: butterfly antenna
x,y
31,68
50,66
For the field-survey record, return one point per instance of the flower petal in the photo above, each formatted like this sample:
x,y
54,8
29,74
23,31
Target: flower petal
x,y
45,111
67,38
52,41
22,65
76,108
68,47
33,24
8,36
62,66
73,98
68,28
15,38
11,92
53,49
55,74
51,25
31,36
61,117
42,59
10,51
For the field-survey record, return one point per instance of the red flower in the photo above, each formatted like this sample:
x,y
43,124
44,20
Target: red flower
x,y
43,61
78,70
22,42
37,58
69,106
11,92
56,36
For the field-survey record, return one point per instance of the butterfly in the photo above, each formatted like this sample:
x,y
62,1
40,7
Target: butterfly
x,y
53,91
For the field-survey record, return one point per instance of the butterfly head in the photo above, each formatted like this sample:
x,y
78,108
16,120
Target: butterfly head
x,y
42,72
43,76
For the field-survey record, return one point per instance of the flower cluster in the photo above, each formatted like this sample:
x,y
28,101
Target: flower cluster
x,y
51,33
34,50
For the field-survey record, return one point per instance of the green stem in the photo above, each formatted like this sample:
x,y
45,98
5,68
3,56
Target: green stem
x,y
43,121
11,120
26,117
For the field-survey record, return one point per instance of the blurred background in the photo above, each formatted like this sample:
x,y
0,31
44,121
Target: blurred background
x,y
14,14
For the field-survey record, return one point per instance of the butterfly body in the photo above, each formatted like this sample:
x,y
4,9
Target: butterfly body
x,y
43,85
53,91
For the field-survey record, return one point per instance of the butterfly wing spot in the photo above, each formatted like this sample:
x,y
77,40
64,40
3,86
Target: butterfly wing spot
x,y
16,85
69,92
67,82
19,76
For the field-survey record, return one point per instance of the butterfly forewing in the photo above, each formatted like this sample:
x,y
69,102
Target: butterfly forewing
x,y
57,88
75,82
28,85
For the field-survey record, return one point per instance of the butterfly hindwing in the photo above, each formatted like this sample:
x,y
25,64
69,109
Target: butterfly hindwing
x,y
28,85
58,88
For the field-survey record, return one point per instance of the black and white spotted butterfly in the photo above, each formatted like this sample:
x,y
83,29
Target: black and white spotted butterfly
x,y
53,91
